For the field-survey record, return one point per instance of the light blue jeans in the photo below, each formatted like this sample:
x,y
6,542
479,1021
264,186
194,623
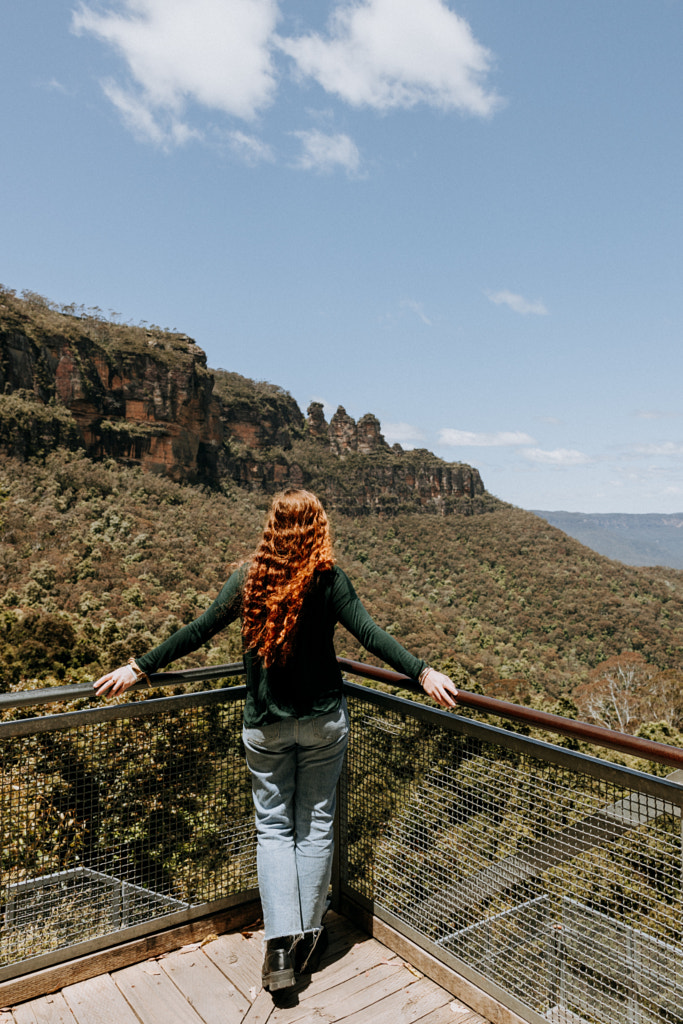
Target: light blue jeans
x,y
295,765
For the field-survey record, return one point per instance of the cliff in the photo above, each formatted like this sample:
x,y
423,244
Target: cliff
x,y
146,397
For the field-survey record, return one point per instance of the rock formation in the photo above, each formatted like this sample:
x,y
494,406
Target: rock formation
x,y
131,405
147,398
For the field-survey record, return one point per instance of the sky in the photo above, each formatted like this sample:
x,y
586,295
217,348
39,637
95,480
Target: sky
x,y
463,216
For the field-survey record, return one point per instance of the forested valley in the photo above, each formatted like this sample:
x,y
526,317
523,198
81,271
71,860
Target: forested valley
x,y
102,557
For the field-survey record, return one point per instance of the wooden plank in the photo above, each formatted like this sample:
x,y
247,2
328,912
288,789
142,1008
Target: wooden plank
x,y
342,932
98,1001
240,960
260,1010
204,986
45,1010
153,996
453,1013
484,1004
50,979
340,1001
402,1007
360,958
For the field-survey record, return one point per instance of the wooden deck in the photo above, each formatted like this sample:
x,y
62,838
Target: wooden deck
x,y
218,981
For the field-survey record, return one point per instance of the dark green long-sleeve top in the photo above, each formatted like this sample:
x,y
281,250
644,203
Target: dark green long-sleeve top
x,y
310,684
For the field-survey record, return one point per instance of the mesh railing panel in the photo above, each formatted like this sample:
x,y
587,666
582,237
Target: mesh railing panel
x,y
556,885
111,825
553,879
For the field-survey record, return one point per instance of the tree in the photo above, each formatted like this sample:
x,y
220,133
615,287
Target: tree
x,y
625,692
663,700
615,692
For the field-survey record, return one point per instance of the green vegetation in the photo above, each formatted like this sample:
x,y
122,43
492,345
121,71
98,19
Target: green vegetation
x,y
28,427
36,317
258,401
99,561
119,557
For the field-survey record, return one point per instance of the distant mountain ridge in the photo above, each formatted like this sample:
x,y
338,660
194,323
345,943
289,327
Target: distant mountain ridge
x,y
648,539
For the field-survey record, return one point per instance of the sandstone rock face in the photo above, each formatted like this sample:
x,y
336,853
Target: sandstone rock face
x,y
369,433
343,432
414,479
316,424
128,405
147,398
257,414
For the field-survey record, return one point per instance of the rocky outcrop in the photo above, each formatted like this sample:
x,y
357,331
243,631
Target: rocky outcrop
x,y
391,481
370,437
316,425
258,414
343,434
29,428
130,405
146,397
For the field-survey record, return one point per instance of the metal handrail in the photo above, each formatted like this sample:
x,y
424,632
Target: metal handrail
x,y
78,691
637,746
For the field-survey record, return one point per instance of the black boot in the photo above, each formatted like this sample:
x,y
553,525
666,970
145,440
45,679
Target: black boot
x,y
278,964
309,951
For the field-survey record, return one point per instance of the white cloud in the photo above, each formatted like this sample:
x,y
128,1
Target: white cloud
x,y
416,308
216,53
663,448
182,56
402,433
557,456
54,85
249,148
501,438
324,153
517,303
397,53
139,119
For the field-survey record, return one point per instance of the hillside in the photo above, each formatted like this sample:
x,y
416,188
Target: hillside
x,y
100,560
103,554
648,539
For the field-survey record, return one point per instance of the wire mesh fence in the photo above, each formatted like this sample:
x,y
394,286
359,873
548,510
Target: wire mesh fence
x,y
115,819
550,878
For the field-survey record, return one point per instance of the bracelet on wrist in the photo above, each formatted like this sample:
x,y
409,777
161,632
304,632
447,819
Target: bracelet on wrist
x,y
140,676
423,675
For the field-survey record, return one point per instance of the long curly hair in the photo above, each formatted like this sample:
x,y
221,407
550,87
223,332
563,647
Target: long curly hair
x,y
294,547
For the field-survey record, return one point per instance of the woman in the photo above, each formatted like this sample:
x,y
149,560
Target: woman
x,y
290,596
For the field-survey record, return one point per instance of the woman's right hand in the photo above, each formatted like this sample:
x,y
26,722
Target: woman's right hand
x,y
115,683
439,687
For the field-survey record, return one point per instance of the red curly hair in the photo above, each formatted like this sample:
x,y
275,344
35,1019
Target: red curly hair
x,y
295,545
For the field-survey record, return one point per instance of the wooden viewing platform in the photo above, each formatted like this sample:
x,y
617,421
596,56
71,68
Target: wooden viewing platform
x,y
218,981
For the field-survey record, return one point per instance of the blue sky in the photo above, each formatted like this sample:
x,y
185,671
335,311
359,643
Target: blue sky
x,y
464,217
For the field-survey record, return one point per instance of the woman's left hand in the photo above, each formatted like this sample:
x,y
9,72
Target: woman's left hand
x,y
439,687
113,684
